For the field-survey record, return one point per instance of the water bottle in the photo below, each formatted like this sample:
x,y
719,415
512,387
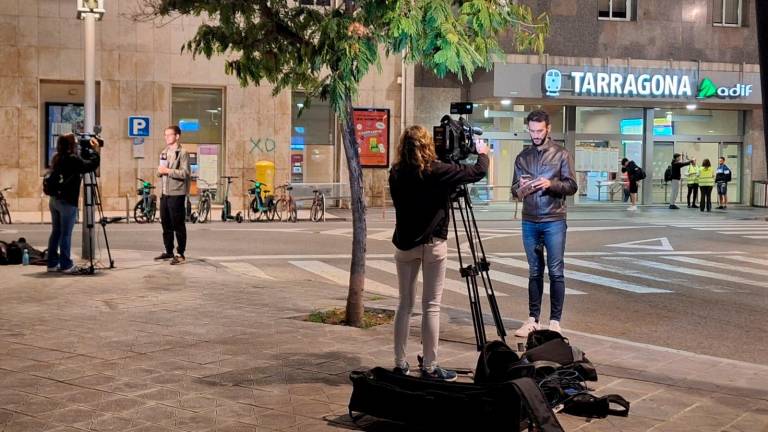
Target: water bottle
x,y
25,257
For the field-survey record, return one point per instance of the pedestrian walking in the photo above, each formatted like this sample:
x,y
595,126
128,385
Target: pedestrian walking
x,y
677,165
67,167
692,180
421,187
174,172
722,177
542,179
634,175
706,183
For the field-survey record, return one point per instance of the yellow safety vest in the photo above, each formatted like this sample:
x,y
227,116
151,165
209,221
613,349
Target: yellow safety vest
x,y
707,177
693,174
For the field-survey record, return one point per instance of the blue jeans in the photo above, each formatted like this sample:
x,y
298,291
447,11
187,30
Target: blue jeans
x,y
538,236
63,217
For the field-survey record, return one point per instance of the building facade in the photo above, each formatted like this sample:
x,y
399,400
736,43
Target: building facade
x,y
621,78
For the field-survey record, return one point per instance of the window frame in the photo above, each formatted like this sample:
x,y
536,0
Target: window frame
x,y
722,23
610,17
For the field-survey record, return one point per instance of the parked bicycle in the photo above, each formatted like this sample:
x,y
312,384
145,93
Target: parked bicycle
x,y
317,211
5,212
226,212
286,205
262,205
207,195
146,209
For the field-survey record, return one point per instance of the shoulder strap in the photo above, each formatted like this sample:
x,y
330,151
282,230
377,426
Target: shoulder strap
x,y
538,408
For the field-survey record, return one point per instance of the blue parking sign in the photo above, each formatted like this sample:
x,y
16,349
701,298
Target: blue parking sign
x,y
138,127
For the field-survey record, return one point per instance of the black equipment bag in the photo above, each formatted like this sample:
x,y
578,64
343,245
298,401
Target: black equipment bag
x,y
498,363
550,351
413,401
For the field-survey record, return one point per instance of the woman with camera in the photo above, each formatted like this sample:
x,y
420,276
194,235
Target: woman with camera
x,y
66,167
421,187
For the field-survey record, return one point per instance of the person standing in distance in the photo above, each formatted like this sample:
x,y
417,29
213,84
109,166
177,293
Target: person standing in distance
x,y
676,165
174,172
722,177
543,178
631,168
421,188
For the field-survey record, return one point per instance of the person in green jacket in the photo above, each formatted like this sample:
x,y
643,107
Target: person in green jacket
x,y
706,183
692,179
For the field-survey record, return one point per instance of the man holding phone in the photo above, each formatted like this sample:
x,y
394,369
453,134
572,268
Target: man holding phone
x,y
174,172
543,178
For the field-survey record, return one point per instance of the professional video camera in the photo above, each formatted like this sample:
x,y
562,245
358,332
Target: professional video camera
x,y
454,139
84,141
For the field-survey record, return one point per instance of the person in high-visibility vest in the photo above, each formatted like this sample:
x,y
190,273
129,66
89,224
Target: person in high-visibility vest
x,y
706,183
692,179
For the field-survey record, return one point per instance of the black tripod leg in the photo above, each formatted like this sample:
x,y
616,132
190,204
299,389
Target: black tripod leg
x,y
103,223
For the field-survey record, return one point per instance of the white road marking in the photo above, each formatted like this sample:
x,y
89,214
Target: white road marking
x,y
341,277
283,230
247,269
594,279
732,228
491,256
744,233
748,259
291,257
381,235
612,269
723,277
663,244
449,284
515,280
8,231
757,237
719,265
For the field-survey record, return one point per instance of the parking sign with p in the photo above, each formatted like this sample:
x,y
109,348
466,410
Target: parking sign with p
x,y
138,127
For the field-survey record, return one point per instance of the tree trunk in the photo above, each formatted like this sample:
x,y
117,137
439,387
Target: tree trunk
x,y
359,231
761,10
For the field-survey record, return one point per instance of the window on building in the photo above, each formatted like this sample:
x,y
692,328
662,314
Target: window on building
x,y
199,112
615,10
727,13
312,149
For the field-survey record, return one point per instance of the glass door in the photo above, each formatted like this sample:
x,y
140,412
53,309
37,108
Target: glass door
x,y
662,157
732,154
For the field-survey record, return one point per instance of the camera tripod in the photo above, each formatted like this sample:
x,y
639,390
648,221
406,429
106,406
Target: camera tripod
x,y
92,200
479,266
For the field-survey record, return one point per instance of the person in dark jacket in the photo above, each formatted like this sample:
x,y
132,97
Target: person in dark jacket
x,y
421,187
70,166
631,168
722,177
543,178
677,165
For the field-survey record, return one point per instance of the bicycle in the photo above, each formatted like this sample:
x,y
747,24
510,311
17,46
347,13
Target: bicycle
x,y
146,209
5,212
207,195
317,211
261,206
286,205
226,212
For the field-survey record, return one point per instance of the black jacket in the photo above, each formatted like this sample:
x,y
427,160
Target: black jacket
x,y
631,170
422,201
676,166
551,161
72,166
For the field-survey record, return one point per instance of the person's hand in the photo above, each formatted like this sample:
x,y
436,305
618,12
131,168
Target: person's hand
x,y
482,148
94,144
163,170
542,183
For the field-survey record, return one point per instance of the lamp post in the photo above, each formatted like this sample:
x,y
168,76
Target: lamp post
x,y
89,11
761,11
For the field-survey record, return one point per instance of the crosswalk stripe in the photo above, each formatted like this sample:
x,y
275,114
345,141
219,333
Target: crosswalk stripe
x,y
747,259
691,271
341,277
449,284
515,280
719,265
594,279
765,231
733,228
381,235
247,269
757,237
612,269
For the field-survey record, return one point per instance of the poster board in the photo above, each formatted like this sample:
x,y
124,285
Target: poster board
x,y
372,135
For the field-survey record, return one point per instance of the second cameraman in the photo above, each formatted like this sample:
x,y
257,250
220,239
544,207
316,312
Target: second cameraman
x,y
421,188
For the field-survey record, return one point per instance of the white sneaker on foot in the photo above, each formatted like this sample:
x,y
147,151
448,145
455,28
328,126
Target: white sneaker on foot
x,y
527,327
632,208
554,326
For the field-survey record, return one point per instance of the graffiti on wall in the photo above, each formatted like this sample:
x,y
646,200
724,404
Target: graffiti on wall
x,y
263,145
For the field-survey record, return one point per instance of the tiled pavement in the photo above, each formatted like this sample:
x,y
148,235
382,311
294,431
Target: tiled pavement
x,y
149,347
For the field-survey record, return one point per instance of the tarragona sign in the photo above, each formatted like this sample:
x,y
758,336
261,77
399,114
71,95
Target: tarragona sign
x,y
615,84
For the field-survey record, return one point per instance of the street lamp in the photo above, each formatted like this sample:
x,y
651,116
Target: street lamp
x,y
89,11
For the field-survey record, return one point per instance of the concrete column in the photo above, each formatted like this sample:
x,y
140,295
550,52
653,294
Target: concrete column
x,y
570,141
646,186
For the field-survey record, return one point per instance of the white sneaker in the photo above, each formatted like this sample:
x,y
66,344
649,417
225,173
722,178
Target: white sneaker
x,y
554,326
527,327
73,270
53,269
632,208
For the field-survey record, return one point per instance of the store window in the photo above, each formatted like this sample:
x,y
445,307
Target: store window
x,y
614,10
727,13
312,149
199,112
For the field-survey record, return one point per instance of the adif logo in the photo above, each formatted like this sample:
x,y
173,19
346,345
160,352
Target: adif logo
x,y
553,82
707,89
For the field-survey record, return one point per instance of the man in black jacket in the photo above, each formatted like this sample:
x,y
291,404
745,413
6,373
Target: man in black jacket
x,y
631,168
543,178
677,164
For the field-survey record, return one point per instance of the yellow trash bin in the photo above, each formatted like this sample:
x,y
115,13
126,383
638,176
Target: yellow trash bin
x,y
265,174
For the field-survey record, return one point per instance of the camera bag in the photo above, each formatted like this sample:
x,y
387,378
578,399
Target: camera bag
x,y
550,351
385,394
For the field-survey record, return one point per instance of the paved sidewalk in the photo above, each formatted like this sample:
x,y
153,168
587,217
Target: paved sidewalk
x,y
149,347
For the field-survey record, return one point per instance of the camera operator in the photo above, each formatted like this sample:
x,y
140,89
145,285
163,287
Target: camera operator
x,y
421,188
68,165
543,177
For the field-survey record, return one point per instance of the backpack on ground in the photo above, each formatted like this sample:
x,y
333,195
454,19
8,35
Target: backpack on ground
x,y
414,401
668,174
13,253
498,363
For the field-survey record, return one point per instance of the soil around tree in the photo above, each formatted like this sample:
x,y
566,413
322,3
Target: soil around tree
x,y
371,317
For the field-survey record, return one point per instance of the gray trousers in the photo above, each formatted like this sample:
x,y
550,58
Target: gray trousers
x,y
675,192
